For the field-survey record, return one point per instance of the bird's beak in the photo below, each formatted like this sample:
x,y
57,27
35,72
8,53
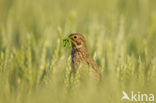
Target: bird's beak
x,y
72,41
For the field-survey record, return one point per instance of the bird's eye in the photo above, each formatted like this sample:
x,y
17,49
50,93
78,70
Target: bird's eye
x,y
75,37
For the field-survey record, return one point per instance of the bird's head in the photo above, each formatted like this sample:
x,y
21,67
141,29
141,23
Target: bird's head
x,y
77,40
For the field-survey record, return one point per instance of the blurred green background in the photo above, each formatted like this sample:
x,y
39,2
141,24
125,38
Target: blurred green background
x,y
34,65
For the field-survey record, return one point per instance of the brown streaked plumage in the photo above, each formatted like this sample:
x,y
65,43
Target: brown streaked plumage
x,y
80,55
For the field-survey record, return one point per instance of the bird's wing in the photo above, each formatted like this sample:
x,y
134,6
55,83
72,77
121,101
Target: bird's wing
x,y
91,62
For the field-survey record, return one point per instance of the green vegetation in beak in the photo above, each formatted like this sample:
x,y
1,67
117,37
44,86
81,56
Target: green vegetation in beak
x,y
65,41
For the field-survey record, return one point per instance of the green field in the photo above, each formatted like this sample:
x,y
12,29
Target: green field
x,y
35,66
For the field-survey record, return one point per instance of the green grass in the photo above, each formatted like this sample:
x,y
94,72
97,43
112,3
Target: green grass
x,y
35,66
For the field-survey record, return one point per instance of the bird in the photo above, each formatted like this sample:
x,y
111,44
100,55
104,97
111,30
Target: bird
x,y
80,56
